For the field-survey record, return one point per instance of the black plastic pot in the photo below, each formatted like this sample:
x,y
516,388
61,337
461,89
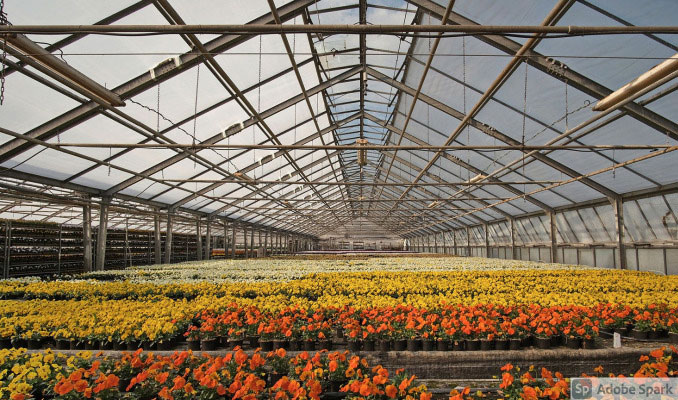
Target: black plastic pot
x,y
413,344
209,344
428,345
34,344
486,344
542,342
514,344
193,345
442,345
501,344
673,337
588,343
383,345
573,343
164,345
400,345
309,345
279,344
253,341
233,343
119,346
324,345
472,344
557,340
266,345
295,345
459,345
636,334
6,343
133,346
656,334
354,345
368,345
63,344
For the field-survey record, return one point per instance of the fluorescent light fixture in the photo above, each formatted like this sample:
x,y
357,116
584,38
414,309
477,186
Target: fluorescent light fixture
x,y
434,204
37,57
477,178
648,78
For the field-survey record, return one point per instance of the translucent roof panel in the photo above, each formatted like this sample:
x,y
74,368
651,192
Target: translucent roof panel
x,y
252,78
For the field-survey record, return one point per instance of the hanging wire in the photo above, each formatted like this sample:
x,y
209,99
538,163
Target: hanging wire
x,y
195,111
468,128
522,140
3,21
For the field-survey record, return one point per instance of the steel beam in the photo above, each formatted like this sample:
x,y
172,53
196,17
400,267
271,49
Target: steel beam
x,y
143,82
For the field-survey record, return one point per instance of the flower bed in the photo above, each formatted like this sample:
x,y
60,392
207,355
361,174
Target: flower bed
x,y
114,312
289,268
274,375
184,375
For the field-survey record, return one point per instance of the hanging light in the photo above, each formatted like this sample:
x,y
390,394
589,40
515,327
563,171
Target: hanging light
x,y
477,178
653,75
362,153
44,61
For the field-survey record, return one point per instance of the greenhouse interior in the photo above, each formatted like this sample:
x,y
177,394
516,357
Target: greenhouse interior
x,y
347,199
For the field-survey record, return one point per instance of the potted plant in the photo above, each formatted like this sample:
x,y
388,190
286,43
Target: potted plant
x,y
192,336
279,363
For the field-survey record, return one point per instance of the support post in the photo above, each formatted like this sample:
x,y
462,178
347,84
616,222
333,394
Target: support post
x,y
512,223
487,241
127,254
168,238
8,247
61,229
208,240
87,237
157,238
252,242
553,232
618,207
244,235
454,241
468,242
435,242
103,230
198,240
268,232
233,240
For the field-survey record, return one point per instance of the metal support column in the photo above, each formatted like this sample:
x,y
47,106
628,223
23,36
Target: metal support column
x,y
8,246
553,232
252,242
468,242
198,238
233,240
268,232
208,239
157,238
127,254
454,241
512,235
618,207
244,236
487,241
87,237
435,242
101,236
168,238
